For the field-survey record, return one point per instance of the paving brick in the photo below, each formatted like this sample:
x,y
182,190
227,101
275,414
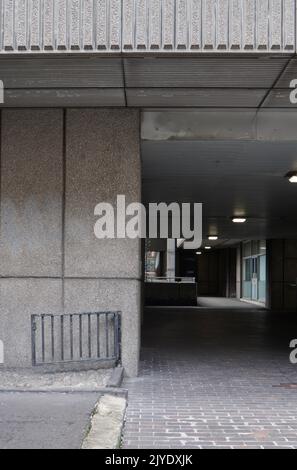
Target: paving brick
x,y
199,389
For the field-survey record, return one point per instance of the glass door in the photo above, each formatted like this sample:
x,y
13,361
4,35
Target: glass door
x,y
255,279
254,271
262,279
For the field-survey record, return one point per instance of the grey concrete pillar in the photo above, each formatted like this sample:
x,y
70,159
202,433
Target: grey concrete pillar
x,y
31,225
170,258
103,161
55,167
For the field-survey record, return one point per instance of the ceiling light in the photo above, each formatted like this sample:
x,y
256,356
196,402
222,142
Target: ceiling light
x,y
212,237
208,248
292,176
199,253
238,220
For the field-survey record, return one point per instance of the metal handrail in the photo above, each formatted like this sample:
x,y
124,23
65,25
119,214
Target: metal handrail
x,y
172,280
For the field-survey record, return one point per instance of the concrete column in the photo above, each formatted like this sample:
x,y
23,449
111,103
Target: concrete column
x,y
103,161
31,225
170,258
55,167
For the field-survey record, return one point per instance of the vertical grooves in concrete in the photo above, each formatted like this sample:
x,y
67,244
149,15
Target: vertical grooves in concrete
x,y
64,163
111,26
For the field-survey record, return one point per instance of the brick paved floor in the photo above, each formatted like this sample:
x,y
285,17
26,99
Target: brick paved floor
x,y
211,379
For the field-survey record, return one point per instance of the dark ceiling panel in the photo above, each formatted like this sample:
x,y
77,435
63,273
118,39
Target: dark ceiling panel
x,y
217,158
189,97
78,97
289,74
65,72
247,72
279,99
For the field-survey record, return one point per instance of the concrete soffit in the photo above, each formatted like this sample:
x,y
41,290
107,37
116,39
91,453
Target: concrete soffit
x,y
219,124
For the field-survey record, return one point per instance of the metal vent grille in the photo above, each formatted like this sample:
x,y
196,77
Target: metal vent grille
x,y
82,337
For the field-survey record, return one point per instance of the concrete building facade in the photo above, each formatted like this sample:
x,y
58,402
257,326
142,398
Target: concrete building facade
x,y
77,129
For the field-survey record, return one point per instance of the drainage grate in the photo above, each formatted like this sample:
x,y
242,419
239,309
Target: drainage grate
x,y
80,337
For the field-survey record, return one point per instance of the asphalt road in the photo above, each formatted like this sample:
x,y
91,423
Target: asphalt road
x,y
44,420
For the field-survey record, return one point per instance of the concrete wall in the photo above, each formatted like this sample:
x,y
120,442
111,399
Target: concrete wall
x,y
282,274
55,167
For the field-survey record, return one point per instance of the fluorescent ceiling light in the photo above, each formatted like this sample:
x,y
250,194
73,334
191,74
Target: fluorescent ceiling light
x,y
213,237
292,176
238,220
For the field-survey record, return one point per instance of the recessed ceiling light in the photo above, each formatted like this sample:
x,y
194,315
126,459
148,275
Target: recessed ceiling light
x,y
292,176
238,220
199,253
207,247
213,237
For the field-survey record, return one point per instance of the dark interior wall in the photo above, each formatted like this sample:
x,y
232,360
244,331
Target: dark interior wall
x,y
217,273
211,273
282,274
232,269
186,263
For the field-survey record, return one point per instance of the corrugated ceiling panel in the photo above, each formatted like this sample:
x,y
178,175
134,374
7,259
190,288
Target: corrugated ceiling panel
x,y
279,99
66,72
203,72
69,97
160,97
289,75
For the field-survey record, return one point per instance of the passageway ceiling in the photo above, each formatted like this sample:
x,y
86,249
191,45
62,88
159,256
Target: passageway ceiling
x,y
239,169
215,81
230,178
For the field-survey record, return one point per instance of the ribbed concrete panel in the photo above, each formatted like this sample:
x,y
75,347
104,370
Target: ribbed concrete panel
x,y
203,72
148,25
187,97
60,25
209,25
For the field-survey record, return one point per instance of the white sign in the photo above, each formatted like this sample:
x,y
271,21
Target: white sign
x,y
1,92
1,352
